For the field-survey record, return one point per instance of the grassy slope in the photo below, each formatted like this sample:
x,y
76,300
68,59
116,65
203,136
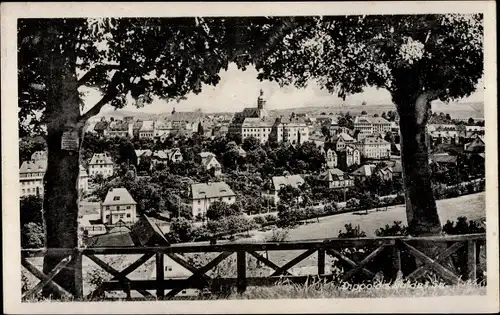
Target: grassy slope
x,y
470,206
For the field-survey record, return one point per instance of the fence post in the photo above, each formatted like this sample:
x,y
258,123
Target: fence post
x,y
160,274
321,261
241,271
471,260
396,259
78,274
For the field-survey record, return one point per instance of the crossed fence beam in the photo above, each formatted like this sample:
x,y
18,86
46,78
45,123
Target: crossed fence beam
x,y
199,279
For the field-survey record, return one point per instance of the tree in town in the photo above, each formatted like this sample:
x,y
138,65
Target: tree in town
x,y
470,121
31,210
57,57
417,58
201,130
363,112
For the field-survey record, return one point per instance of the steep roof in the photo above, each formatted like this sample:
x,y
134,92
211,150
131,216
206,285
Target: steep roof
x,y
33,166
100,126
444,158
160,154
364,170
371,120
146,152
117,239
163,124
211,190
101,158
333,174
344,136
118,125
292,180
258,122
147,125
207,160
206,154
146,232
118,196
39,155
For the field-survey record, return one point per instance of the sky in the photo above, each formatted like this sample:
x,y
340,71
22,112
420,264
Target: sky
x,y
239,89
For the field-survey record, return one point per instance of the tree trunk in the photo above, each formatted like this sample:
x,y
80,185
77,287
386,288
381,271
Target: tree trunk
x,y
60,205
421,207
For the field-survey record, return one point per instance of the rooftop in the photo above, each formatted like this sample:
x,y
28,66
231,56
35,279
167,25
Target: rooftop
x,y
211,190
33,166
101,158
292,180
118,196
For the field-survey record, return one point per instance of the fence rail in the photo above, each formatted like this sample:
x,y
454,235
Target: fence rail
x,y
389,247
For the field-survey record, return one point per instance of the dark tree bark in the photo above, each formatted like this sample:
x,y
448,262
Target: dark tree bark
x,y
60,206
421,207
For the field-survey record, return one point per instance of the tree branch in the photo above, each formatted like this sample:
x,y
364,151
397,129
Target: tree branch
x,y
111,92
86,77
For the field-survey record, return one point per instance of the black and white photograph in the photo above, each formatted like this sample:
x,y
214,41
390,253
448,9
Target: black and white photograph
x,y
176,154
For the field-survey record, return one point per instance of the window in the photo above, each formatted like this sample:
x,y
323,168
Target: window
x,y
116,198
107,207
29,190
199,201
107,216
128,215
122,216
23,191
128,207
117,207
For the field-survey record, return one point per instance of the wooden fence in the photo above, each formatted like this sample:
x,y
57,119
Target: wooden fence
x,y
169,288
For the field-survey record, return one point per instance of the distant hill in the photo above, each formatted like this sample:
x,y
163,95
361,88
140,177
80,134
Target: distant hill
x,y
456,110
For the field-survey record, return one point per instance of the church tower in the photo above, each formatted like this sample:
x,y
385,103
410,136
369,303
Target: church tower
x,y
260,105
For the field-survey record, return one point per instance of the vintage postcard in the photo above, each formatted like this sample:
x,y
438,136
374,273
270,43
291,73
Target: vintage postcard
x,y
249,157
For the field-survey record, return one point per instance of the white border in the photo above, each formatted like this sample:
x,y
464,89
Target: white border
x,y
10,205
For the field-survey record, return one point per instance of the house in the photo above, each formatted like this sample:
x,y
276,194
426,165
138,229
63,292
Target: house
x,y
31,177
118,205
202,195
101,163
174,155
374,148
209,161
367,170
39,156
335,178
143,154
159,157
119,128
444,159
331,159
279,182
242,152
475,146
397,169
147,130
89,218
348,157
369,126
101,127
341,140
162,128
83,180
144,232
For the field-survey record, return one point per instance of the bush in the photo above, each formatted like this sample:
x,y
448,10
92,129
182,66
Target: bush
x,y
279,235
259,220
32,236
270,218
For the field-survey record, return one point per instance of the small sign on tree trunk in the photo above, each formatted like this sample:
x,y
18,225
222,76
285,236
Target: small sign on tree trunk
x,y
69,140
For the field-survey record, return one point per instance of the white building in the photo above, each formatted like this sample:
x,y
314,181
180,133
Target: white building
x,y
209,161
83,180
101,163
374,148
118,206
331,159
279,182
147,130
39,156
202,195
31,177
336,179
368,126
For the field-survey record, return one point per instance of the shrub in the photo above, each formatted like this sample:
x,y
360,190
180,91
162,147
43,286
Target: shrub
x,y
279,235
270,218
353,203
259,220
32,236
